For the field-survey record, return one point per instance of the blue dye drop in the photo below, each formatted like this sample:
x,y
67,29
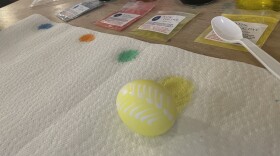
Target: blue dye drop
x,y
44,26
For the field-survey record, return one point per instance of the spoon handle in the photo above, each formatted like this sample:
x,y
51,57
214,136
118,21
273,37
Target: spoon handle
x,y
269,62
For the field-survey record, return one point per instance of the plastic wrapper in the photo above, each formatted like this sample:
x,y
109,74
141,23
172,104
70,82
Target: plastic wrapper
x,y
130,13
163,26
255,25
78,10
41,2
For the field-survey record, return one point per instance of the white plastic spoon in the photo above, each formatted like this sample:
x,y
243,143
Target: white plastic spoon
x,y
230,32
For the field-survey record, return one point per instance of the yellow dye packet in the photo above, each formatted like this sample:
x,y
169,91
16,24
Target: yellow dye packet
x,y
255,25
163,26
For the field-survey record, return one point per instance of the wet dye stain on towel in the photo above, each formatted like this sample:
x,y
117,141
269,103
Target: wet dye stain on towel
x,y
87,38
45,26
181,90
127,55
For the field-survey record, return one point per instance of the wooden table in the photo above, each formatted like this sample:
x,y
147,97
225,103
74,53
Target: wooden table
x,y
184,39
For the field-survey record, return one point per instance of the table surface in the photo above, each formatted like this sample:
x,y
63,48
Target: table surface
x,y
14,12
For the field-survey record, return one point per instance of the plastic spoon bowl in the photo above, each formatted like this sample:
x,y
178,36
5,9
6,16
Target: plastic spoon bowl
x,y
230,32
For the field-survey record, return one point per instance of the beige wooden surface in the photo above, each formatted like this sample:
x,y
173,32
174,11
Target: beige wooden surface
x,y
12,13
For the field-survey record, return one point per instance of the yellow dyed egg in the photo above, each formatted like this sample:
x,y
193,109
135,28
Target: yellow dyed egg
x,y
146,107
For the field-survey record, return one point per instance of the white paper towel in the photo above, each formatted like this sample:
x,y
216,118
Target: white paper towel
x,y
57,97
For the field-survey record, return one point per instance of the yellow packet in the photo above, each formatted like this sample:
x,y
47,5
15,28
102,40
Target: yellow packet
x,y
163,26
256,26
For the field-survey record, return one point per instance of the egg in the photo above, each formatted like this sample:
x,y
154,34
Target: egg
x,y
146,107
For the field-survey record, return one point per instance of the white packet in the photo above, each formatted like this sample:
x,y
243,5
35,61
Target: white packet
x,y
163,26
78,10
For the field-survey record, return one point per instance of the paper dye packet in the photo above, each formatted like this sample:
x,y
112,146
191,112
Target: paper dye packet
x,y
130,13
163,26
255,25
78,10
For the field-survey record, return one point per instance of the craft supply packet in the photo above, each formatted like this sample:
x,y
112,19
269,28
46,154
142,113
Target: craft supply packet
x,y
78,10
255,25
164,25
130,13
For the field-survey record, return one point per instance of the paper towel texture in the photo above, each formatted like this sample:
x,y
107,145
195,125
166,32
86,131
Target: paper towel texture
x,y
57,97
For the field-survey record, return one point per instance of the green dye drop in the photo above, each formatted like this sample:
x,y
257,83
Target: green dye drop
x,y
127,55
